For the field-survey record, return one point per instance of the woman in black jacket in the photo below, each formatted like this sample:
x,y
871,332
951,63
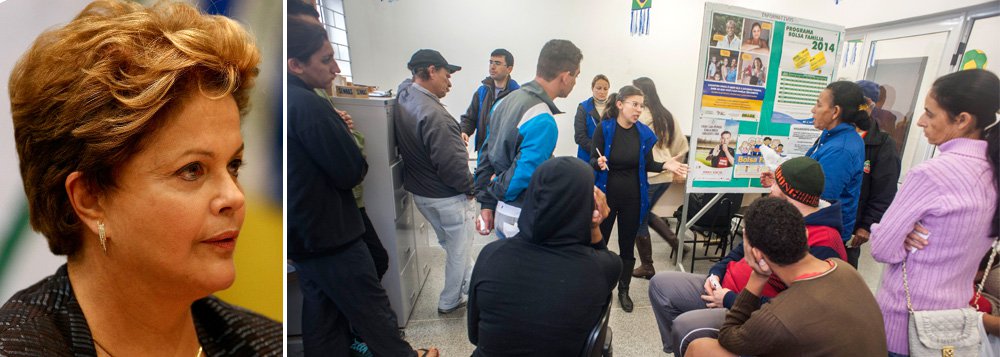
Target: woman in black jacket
x,y
541,293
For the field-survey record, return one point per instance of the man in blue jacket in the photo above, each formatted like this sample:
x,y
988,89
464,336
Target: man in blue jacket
x,y
496,86
521,135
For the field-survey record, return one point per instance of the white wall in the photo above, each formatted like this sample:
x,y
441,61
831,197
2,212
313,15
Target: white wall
x,y
383,35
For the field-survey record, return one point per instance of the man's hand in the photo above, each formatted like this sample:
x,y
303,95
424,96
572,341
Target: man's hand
x,y
714,298
601,209
485,222
347,118
861,236
465,138
766,178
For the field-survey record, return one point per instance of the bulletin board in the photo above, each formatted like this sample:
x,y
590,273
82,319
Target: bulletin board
x,y
760,74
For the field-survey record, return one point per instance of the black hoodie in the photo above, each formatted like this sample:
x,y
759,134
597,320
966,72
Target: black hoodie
x,y
542,291
880,180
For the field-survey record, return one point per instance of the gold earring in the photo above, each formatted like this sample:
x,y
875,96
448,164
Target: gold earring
x,y
102,236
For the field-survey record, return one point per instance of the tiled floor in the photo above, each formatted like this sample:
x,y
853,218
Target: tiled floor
x,y
635,334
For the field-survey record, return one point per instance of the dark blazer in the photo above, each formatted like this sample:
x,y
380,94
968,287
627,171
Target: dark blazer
x,y
46,320
881,176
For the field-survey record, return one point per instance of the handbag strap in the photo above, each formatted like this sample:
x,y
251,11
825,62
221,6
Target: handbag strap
x,y
979,289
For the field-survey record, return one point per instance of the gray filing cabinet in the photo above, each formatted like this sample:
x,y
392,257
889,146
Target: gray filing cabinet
x,y
389,206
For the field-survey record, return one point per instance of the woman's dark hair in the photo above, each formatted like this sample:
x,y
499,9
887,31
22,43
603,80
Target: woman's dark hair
x,y
614,98
849,97
663,120
756,24
976,92
304,39
599,77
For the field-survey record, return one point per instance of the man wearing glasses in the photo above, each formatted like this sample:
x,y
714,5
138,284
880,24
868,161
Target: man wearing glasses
x,y
494,87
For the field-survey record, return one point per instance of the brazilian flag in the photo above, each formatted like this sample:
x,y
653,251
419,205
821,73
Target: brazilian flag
x,y
640,17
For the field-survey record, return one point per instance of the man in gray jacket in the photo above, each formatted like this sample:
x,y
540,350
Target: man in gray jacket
x,y
436,166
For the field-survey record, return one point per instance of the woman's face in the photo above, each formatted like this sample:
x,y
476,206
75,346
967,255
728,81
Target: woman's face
x,y
938,126
756,32
176,212
630,108
321,69
825,114
601,89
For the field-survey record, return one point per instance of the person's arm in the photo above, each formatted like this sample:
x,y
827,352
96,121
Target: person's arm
x,y
597,145
580,128
836,175
470,119
884,179
539,136
651,164
750,330
482,178
992,324
447,152
326,139
915,200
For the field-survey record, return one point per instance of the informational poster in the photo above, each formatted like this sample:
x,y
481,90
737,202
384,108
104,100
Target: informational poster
x,y
760,76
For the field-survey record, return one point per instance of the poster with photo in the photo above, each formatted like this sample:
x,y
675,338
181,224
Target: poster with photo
x,y
726,30
782,64
756,36
753,69
715,150
723,65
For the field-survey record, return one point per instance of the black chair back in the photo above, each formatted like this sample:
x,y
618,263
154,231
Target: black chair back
x,y
599,339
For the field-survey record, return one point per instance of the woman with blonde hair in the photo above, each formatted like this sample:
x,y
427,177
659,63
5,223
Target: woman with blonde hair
x,y
127,125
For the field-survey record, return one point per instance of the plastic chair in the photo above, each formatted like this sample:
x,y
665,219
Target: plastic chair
x,y
599,339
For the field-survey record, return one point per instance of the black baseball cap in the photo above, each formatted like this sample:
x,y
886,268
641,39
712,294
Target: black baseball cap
x,y
426,57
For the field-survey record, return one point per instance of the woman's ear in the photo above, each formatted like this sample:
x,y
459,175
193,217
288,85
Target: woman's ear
x,y
966,122
86,202
837,111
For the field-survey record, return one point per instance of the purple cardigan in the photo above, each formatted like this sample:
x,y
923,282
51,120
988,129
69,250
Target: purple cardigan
x,y
953,196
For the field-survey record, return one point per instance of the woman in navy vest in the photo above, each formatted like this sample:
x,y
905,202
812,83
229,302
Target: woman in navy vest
x,y
588,113
621,156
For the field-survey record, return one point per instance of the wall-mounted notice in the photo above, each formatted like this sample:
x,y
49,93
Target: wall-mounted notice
x,y
760,76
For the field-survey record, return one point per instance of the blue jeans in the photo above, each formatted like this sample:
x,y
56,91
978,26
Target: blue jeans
x,y
655,192
450,217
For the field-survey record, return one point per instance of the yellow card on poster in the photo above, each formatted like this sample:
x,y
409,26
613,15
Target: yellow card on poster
x,y
817,61
801,58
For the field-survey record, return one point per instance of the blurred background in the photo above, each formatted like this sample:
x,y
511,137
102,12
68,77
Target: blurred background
x,y
24,254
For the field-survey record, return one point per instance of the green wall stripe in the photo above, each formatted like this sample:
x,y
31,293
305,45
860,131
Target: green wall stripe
x,y
13,237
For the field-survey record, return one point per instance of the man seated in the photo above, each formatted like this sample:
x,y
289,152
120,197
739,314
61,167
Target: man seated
x,y
827,310
687,305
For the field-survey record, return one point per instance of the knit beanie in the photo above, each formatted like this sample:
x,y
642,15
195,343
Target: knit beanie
x,y
801,179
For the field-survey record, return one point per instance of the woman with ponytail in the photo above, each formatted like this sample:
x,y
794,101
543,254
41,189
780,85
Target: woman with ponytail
x,y
670,148
839,149
621,156
951,198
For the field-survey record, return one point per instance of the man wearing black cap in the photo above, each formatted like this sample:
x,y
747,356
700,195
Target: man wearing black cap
x,y
436,166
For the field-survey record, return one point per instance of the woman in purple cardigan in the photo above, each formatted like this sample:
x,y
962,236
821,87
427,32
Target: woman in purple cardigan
x,y
952,196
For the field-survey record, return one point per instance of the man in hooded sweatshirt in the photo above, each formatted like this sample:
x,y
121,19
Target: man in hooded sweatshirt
x,y
541,293
688,306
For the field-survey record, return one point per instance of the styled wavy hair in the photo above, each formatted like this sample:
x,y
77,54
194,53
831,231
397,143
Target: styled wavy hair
x,y
87,95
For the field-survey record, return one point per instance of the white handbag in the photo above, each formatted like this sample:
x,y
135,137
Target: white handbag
x,y
945,333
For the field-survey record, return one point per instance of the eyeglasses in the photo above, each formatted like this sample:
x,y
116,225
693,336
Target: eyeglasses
x,y
498,63
636,104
